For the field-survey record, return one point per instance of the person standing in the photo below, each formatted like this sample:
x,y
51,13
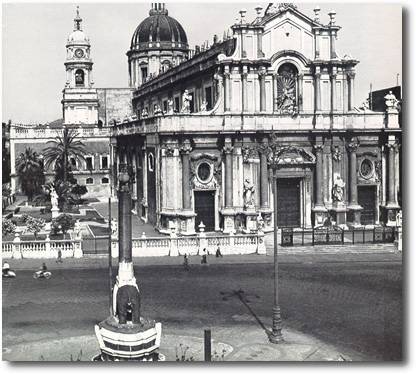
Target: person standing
x,y
204,257
186,261
59,259
218,252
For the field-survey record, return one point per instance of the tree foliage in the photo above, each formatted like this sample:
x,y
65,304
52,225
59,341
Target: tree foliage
x,y
34,225
29,168
63,223
61,149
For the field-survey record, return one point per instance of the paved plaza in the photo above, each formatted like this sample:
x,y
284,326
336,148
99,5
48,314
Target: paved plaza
x,y
335,306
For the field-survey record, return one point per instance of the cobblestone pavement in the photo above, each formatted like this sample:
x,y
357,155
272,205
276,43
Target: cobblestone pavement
x,y
352,305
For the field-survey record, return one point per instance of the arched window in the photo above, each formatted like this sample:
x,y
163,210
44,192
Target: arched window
x,y
286,89
104,180
89,181
79,78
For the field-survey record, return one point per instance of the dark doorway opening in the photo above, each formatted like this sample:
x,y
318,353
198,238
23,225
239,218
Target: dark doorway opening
x,y
205,209
288,202
367,199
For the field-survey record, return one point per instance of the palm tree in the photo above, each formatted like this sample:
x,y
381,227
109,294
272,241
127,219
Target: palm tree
x,y
62,148
29,168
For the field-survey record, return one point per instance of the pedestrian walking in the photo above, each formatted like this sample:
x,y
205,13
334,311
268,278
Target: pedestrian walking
x,y
186,261
218,252
204,257
59,258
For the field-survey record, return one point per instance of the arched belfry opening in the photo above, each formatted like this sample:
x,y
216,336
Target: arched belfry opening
x,y
287,90
79,78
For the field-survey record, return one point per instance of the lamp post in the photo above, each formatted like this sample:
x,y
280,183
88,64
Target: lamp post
x,y
276,335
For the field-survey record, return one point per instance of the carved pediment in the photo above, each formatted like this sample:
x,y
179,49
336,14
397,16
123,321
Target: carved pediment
x,y
291,156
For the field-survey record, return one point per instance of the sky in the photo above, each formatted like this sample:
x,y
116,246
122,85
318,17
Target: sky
x,y
34,37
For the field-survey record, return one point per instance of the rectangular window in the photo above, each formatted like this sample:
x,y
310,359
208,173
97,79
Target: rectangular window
x,y
165,106
208,97
192,102
144,73
89,164
177,105
104,162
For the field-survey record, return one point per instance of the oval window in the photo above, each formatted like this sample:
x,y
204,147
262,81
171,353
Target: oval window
x,y
366,168
204,172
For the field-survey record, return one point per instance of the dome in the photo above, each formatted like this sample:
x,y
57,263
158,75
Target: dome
x,y
77,36
159,28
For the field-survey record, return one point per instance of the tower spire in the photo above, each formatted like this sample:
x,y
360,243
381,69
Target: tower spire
x,y
77,21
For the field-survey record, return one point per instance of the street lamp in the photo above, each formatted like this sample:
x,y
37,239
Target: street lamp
x,y
276,335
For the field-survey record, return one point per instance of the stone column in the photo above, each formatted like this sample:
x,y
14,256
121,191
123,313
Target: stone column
x,y
351,89
319,208
244,95
186,190
262,81
300,92
333,77
392,206
275,109
228,175
227,92
391,197
333,51
353,193
264,175
317,92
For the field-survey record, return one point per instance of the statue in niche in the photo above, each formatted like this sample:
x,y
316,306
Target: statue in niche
x,y
338,189
248,194
286,89
203,106
186,102
170,106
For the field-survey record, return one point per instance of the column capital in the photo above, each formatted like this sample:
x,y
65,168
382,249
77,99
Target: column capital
x,y
317,75
318,147
228,149
186,149
351,74
393,146
352,146
244,76
262,74
226,74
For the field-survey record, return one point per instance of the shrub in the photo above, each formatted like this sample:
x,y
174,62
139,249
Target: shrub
x,y
63,223
8,226
34,225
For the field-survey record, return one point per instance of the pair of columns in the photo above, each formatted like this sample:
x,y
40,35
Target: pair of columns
x,y
244,91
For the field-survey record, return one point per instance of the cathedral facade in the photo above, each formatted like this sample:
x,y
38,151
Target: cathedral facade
x,y
213,129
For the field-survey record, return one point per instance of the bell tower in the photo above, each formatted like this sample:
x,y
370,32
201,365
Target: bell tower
x,y
80,100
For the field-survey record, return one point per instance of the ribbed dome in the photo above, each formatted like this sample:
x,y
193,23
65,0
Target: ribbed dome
x,y
159,27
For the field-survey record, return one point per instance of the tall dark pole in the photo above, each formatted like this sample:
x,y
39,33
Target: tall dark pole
x,y
276,334
110,263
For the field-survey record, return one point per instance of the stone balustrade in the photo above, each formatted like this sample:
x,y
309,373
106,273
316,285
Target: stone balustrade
x,y
142,247
23,132
41,248
252,122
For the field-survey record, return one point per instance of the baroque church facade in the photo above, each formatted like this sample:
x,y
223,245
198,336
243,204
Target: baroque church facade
x,y
213,129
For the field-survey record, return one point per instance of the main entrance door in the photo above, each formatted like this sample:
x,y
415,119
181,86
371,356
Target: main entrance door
x,y
288,202
205,209
367,199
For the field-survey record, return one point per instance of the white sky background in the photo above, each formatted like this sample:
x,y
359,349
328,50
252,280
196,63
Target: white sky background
x,y
34,37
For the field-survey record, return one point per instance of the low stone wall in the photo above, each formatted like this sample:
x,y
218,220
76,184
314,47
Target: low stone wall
x,y
142,247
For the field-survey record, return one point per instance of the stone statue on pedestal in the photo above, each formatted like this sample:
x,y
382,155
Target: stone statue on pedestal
x,y
248,194
54,198
391,101
338,189
186,102
170,106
